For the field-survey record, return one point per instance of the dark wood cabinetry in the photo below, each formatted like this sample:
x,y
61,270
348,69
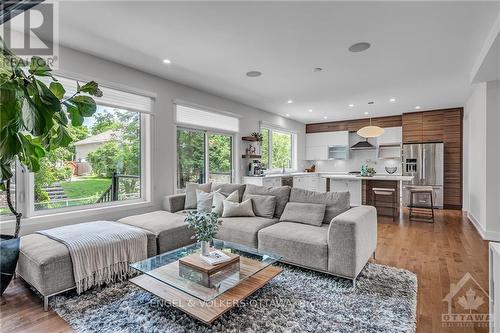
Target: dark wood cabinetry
x,y
441,126
412,127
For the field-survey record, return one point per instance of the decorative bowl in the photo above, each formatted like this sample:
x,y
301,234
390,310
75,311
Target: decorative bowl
x,y
391,169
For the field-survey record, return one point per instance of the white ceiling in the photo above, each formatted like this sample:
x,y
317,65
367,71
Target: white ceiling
x,y
422,52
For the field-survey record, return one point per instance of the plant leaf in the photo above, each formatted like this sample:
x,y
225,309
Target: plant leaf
x,y
74,114
85,104
57,89
91,88
39,67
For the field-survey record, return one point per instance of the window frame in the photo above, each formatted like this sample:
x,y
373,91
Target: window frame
x,y
293,159
206,132
25,191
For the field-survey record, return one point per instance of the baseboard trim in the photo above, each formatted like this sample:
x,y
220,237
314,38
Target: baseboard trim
x,y
486,235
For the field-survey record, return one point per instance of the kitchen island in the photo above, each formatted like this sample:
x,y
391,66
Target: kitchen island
x,y
361,190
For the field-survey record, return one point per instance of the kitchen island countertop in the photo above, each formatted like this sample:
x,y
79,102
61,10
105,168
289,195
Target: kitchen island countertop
x,y
376,177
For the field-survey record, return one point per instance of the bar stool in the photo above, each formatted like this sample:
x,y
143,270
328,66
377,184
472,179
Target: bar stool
x,y
386,192
422,209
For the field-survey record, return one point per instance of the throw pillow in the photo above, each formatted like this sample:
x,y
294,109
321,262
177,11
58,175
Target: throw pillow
x,y
263,205
307,213
190,202
235,209
281,193
204,201
336,202
219,197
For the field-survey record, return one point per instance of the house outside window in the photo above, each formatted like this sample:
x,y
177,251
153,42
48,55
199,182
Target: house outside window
x,y
107,164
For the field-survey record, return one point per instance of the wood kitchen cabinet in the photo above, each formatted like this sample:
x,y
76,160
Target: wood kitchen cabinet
x,y
412,127
441,126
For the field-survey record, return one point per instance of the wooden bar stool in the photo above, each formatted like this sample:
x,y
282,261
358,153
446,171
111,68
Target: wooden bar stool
x,y
386,192
422,210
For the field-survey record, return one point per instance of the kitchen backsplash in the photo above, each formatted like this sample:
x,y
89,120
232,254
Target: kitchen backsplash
x,y
356,159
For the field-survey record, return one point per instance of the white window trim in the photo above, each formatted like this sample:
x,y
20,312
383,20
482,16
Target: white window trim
x,y
25,180
274,128
207,132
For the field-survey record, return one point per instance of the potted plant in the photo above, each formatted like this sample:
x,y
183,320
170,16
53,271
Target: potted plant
x,y
34,119
205,226
258,137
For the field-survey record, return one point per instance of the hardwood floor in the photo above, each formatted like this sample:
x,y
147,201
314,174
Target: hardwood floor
x,y
440,254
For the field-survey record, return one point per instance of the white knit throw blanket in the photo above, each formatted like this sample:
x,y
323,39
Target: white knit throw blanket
x,y
101,251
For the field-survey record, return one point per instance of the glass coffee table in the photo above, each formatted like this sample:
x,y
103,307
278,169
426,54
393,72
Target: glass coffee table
x,y
205,291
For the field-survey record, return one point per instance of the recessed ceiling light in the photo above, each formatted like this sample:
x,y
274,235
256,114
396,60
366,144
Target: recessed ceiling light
x,y
317,69
288,115
417,107
367,113
254,74
289,101
166,61
370,103
392,100
351,105
325,117
359,47
310,110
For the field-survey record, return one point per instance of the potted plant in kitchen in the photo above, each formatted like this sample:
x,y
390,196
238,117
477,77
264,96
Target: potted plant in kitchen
x,y
205,226
34,119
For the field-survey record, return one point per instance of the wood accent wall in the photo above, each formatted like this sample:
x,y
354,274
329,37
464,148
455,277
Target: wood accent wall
x,y
445,126
354,125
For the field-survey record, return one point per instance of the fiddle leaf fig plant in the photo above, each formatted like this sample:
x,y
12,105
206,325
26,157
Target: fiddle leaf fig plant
x,y
35,113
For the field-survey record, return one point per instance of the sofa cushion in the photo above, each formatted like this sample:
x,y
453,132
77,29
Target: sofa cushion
x,y
190,201
263,205
237,209
281,193
46,263
170,229
204,201
219,199
336,202
307,213
243,230
299,244
227,189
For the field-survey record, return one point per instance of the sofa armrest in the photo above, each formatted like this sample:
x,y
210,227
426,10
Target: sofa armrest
x,y
352,239
174,203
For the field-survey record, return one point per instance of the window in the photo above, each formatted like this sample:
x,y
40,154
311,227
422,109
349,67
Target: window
x,y
4,207
205,142
202,156
103,164
278,149
107,163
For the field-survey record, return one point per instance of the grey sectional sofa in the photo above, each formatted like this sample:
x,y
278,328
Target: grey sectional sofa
x,y
341,246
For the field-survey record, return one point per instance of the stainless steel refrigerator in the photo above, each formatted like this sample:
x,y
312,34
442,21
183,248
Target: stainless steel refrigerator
x,y
423,161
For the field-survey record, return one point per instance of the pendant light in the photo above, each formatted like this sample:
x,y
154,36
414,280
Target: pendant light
x,y
370,131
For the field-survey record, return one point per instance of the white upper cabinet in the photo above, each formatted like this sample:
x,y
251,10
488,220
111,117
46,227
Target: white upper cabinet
x,y
317,144
391,135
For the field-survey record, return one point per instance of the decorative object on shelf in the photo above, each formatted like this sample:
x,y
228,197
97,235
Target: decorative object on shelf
x,y
205,226
391,169
367,171
258,137
251,150
39,128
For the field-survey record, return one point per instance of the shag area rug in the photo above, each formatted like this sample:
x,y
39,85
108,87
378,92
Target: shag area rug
x,y
297,300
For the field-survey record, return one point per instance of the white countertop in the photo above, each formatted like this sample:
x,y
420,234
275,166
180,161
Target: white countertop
x,y
376,177
338,175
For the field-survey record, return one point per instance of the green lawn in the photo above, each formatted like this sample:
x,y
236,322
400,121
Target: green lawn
x,y
86,187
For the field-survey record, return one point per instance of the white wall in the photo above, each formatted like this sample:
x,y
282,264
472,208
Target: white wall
x,y
163,139
482,158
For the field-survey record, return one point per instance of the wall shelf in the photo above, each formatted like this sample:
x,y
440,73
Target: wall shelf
x,y
251,156
249,138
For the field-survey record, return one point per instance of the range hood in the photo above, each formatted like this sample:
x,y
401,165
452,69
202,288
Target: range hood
x,y
363,145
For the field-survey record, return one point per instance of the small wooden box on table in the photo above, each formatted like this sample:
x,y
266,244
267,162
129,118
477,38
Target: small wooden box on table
x,y
194,268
